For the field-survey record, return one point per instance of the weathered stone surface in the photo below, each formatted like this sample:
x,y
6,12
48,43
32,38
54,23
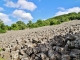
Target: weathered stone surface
x,y
59,42
65,57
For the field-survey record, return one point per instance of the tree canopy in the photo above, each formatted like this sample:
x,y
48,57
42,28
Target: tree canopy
x,y
20,25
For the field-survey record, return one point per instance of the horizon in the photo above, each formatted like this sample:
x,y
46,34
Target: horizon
x,y
11,11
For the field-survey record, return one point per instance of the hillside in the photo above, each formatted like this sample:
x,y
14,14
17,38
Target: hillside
x,y
20,25
58,42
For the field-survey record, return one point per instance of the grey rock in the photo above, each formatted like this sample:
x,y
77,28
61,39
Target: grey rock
x,y
65,57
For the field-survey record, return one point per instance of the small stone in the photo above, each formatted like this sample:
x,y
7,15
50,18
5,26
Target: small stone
x,y
65,57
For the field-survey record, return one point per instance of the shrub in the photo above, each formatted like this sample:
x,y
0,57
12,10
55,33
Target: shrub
x,y
2,31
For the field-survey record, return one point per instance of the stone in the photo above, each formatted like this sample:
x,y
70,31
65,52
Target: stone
x,y
25,58
6,55
65,57
59,42
15,55
75,53
70,37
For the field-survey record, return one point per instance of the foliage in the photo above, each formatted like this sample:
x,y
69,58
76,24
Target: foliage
x,y
20,25
29,24
2,27
14,27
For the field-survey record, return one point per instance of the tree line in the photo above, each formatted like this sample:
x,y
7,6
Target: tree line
x,y
20,25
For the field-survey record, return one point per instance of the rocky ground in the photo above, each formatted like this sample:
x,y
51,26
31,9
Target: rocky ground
x,y
59,42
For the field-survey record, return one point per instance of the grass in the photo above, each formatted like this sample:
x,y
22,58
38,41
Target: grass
x,y
0,49
1,58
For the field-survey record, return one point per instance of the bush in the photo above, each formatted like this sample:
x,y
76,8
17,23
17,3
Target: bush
x,y
53,22
2,31
20,25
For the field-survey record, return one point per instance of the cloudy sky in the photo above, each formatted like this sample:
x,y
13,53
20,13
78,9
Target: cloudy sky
x,y
25,10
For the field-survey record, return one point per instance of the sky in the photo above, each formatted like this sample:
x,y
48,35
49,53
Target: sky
x,y
25,10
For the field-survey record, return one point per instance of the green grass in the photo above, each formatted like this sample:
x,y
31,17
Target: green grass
x,y
1,58
0,49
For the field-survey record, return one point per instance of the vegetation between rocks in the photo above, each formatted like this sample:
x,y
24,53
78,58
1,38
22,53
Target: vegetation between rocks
x,y
1,58
0,49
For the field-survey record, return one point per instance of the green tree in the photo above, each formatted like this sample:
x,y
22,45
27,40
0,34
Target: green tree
x,y
53,22
14,27
29,24
2,27
21,25
40,23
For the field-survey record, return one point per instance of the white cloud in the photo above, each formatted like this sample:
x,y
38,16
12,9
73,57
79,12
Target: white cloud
x,y
22,4
66,11
26,5
5,18
1,9
11,4
22,14
61,8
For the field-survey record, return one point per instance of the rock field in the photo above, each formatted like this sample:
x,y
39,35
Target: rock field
x,y
58,42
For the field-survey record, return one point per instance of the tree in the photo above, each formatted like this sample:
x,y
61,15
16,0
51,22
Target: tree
x,y
14,27
2,27
45,23
53,22
21,25
40,23
29,24
72,16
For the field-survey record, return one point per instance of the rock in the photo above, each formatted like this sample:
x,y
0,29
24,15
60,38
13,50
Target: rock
x,y
21,52
65,57
29,51
59,42
43,56
37,58
71,45
6,55
74,53
25,58
60,50
50,53
36,50
14,55
70,37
